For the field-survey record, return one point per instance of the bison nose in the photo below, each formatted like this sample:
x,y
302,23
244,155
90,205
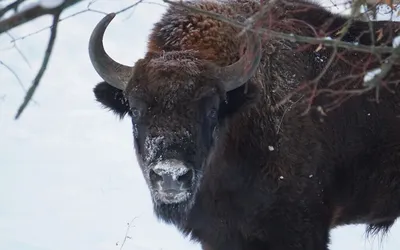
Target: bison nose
x,y
171,176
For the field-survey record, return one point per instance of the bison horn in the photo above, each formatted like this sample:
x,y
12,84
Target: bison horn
x,y
114,73
238,73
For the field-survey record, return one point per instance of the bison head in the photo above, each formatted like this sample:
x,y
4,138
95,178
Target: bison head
x,y
178,104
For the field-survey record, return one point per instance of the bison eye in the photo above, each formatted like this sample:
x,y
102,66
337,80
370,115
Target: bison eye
x,y
135,113
138,108
212,114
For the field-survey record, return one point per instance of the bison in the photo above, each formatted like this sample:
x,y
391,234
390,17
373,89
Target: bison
x,y
228,166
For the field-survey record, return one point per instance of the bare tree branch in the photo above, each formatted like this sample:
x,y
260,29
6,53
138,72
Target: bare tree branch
x,y
11,6
31,14
45,62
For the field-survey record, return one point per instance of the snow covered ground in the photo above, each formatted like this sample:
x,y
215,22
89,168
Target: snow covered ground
x,y
68,175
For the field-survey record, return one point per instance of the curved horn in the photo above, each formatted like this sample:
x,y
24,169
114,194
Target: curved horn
x,y
238,73
114,73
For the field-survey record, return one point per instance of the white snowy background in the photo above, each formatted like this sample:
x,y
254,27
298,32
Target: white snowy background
x,y
68,174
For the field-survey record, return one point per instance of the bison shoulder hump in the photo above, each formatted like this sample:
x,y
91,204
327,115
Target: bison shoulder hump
x,y
181,29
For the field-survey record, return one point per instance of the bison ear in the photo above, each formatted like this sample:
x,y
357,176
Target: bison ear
x,y
111,98
239,99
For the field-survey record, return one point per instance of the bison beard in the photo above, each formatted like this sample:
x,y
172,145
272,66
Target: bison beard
x,y
258,178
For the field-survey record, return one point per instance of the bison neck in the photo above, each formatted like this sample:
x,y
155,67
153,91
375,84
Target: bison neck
x,y
254,168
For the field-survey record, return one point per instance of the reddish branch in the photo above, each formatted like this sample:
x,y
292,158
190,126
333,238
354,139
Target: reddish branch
x,y
286,36
380,56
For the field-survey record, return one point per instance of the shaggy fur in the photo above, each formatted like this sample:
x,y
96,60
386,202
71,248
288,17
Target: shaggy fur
x,y
266,179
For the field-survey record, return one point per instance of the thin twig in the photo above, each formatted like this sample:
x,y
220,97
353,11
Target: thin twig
x,y
129,7
126,233
79,13
15,75
385,69
19,51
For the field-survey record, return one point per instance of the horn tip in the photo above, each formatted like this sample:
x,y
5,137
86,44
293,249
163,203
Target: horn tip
x,y
99,29
109,17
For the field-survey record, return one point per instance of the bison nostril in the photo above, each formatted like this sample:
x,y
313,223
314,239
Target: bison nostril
x,y
186,178
170,175
154,177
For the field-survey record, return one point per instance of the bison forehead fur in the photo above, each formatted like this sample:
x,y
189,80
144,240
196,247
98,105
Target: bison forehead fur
x,y
171,76
224,166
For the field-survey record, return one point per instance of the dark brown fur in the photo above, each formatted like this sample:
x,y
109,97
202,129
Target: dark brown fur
x,y
271,178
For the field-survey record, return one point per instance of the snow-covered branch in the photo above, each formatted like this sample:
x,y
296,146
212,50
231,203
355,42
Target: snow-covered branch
x,y
32,12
